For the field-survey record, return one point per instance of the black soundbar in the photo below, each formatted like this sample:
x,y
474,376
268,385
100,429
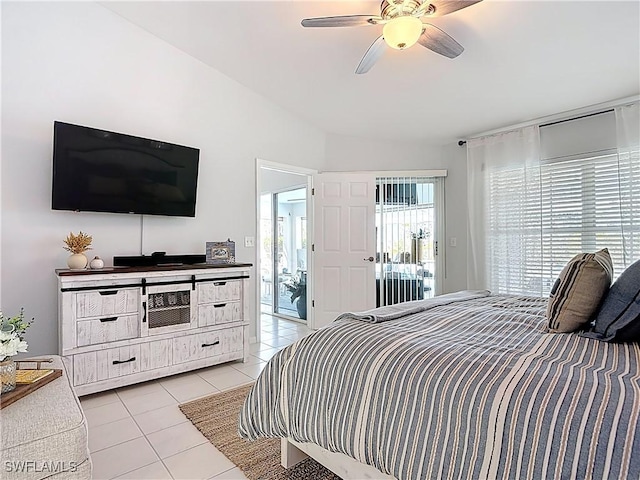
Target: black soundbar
x,y
158,258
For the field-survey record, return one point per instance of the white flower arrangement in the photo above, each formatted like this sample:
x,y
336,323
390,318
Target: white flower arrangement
x,y
12,335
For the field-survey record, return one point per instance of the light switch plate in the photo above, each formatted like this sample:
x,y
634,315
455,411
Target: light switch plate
x,y
249,241
453,242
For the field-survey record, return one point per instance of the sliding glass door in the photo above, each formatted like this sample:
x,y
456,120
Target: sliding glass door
x,y
406,238
283,257
290,252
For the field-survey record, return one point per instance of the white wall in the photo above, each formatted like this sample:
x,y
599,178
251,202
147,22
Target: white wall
x,y
454,159
359,154
80,63
345,153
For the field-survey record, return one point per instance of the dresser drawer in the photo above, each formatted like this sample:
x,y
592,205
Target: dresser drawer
x,y
218,313
224,290
118,362
107,329
105,364
196,347
205,345
103,303
156,354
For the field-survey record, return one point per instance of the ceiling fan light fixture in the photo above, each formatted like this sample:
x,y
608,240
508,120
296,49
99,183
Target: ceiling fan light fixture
x,y
402,32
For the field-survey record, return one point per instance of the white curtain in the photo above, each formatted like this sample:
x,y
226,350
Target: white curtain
x,y
503,170
540,195
628,137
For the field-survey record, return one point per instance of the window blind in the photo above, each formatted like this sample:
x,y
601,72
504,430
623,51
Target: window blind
x,y
514,231
541,216
583,210
406,212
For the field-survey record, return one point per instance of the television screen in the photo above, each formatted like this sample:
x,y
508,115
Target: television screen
x,y
100,171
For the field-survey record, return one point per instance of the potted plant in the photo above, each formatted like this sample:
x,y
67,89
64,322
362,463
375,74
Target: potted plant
x,y
298,289
77,245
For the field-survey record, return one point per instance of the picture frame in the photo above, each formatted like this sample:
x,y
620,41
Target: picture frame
x,y
221,252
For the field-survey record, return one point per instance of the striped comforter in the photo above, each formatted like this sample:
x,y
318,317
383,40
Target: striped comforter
x,y
464,386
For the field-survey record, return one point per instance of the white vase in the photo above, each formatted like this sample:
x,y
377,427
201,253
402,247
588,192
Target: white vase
x,y
96,263
77,261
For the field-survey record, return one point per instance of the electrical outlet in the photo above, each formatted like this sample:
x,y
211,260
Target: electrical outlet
x,y
249,242
453,242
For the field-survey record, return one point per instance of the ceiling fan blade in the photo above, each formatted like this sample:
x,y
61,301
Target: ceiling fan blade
x,y
435,39
373,54
342,21
444,7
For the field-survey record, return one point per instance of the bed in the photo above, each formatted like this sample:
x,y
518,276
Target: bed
x,y
466,385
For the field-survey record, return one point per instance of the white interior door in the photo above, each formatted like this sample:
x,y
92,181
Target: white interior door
x,y
344,245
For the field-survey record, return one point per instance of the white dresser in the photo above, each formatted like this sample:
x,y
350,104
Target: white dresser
x,y
124,325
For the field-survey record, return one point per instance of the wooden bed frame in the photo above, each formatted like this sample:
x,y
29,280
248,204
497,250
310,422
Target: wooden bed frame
x,y
292,452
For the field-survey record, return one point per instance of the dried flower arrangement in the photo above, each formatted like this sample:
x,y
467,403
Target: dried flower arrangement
x,y
78,243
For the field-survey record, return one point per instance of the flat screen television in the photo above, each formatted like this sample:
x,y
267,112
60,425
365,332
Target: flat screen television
x,y
101,171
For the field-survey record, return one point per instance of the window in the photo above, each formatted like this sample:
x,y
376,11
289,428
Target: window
x,y
584,210
514,231
581,197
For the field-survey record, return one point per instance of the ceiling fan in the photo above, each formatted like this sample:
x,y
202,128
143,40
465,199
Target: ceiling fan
x,y
402,27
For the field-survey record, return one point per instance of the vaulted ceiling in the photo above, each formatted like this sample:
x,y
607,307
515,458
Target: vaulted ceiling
x,y
522,60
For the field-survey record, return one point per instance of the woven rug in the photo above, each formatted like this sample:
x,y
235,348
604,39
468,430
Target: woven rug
x,y
216,417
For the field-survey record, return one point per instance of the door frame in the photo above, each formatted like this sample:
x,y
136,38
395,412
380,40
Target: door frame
x,y
294,170
309,173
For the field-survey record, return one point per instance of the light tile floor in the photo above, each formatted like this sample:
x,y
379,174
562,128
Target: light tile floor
x,y
138,432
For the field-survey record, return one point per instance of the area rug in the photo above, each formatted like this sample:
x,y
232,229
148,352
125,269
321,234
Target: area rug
x,y
216,417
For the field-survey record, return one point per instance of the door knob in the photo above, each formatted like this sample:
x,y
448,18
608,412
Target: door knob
x,y
370,259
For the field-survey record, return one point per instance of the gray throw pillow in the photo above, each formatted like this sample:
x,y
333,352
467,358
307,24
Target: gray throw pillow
x,y
577,293
618,319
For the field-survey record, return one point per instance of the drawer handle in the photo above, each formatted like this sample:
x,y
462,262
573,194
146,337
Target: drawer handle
x,y
108,292
217,342
109,319
219,284
220,305
118,362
